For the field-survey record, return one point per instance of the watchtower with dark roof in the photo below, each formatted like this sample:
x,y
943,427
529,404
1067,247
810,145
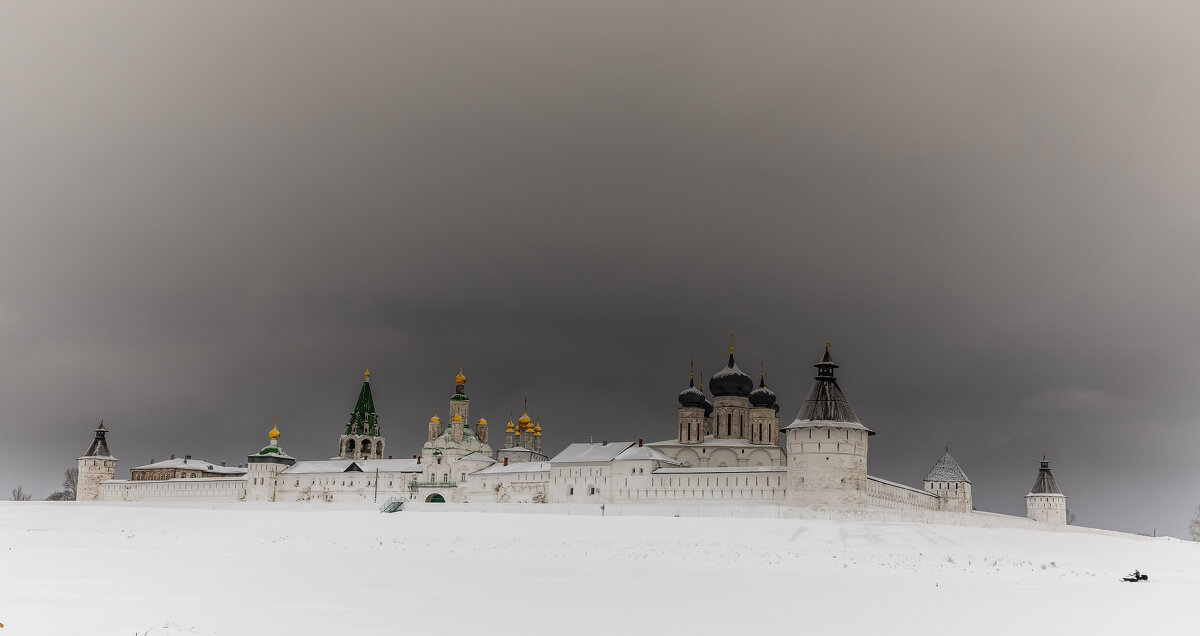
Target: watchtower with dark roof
x,y
95,466
1045,502
827,446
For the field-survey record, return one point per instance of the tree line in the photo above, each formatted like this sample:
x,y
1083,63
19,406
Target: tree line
x,y
70,480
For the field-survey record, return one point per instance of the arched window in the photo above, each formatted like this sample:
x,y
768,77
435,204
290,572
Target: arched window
x,y
349,446
366,447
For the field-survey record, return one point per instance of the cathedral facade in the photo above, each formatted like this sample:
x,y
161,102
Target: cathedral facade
x,y
727,450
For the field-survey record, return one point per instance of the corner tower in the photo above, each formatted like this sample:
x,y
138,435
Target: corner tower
x,y
362,438
96,465
1045,502
950,483
827,446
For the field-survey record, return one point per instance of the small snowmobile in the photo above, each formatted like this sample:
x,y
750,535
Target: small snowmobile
x,y
1136,577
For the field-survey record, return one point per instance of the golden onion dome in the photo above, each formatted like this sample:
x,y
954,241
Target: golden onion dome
x,y
367,374
460,378
525,419
456,418
482,422
274,434
435,419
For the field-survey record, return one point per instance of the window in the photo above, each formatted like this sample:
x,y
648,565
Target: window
x,y
570,491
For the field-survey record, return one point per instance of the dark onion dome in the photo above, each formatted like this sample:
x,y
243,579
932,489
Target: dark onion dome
x,y
708,405
691,397
762,397
731,381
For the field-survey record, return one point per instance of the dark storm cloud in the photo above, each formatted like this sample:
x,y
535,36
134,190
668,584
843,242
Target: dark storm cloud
x,y
218,212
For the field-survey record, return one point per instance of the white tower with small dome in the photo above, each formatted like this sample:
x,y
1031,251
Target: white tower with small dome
x,y
263,468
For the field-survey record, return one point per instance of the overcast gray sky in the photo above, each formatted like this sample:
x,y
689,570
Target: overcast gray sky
x,y
215,212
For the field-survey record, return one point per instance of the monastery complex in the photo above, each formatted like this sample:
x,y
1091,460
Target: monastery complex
x,y
728,450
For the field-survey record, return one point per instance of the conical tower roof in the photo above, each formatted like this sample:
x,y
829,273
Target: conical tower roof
x,y
826,405
99,446
363,420
1045,484
947,469
365,404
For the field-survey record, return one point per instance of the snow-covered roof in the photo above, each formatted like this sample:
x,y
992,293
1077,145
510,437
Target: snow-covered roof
x,y
645,453
272,451
323,466
193,464
389,465
946,469
477,457
515,467
854,426
720,469
189,480
590,452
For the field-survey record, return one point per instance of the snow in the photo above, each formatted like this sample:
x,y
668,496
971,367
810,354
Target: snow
x,y
309,569
193,464
645,453
798,423
586,453
322,466
515,467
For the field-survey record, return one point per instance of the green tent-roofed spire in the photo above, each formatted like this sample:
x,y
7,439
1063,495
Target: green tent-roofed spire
x,y
363,420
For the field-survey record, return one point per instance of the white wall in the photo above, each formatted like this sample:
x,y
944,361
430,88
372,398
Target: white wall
x,y
192,489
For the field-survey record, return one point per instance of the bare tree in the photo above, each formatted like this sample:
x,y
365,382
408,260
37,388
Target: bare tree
x,y
1194,527
19,494
1070,517
70,479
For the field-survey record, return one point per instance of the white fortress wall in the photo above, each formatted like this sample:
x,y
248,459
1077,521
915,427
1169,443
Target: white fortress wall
x,y
343,486
888,494
191,489
733,484
519,482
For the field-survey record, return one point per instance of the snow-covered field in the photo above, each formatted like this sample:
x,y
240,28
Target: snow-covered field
x,y
122,570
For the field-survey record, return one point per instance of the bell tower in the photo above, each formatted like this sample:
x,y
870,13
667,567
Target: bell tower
x,y
362,438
